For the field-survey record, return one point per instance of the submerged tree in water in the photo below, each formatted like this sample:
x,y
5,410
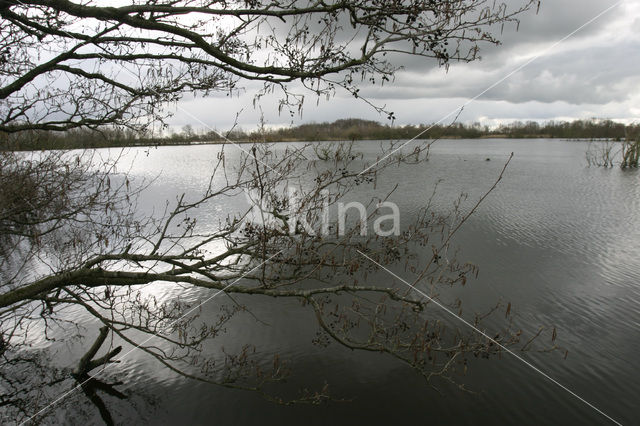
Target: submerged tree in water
x,y
607,154
630,153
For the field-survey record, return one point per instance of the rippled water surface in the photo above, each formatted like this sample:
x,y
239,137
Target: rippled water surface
x,y
558,240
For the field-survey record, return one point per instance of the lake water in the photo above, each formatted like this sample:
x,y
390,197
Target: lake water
x,y
557,239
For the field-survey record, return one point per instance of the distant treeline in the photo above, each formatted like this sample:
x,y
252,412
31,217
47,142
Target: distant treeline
x,y
355,129
345,129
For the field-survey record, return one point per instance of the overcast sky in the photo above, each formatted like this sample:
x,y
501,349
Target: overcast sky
x,y
594,73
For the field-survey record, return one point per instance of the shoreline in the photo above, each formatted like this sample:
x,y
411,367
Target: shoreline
x,y
151,144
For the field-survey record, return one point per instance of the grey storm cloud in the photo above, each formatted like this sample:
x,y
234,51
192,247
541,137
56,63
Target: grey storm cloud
x,y
591,74
554,20
596,72
592,71
557,18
